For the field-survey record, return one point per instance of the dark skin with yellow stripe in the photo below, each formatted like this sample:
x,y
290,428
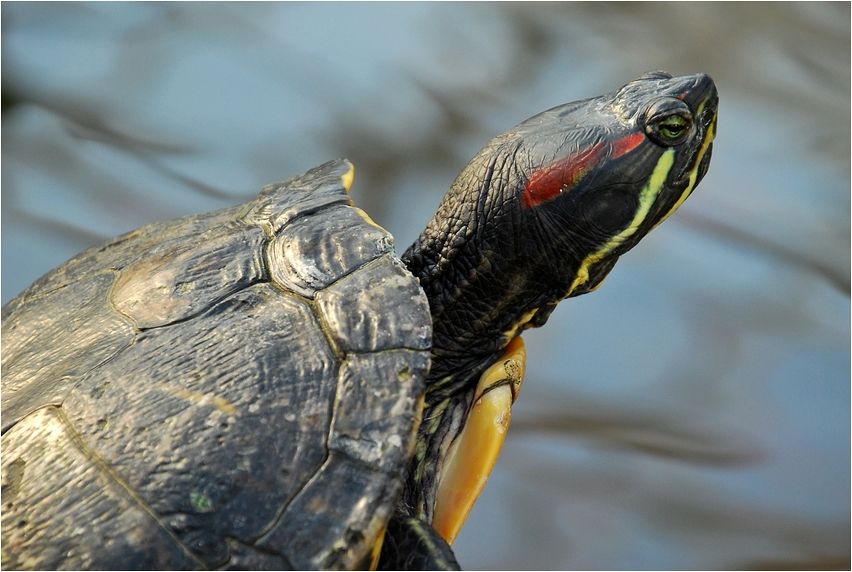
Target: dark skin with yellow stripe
x,y
541,213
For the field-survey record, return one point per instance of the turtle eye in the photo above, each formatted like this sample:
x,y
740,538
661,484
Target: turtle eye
x,y
670,129
668,121
673,127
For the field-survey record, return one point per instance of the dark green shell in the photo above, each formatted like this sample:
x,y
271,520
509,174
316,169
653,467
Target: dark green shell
x,y
237,389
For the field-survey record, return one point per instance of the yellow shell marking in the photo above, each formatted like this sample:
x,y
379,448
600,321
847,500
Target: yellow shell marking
x,y
348,177
367,219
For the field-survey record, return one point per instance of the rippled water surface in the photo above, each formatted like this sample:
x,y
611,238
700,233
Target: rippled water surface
x,y
692,413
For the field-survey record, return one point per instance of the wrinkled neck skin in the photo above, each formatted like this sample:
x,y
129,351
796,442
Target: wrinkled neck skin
x,y
487,278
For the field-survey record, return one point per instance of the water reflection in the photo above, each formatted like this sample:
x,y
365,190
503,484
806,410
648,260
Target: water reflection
x,y
692,413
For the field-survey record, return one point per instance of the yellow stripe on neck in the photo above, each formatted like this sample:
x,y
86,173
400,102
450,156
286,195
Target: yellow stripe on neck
x,y
649,194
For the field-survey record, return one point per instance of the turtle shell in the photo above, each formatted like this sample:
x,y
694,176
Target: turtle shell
x,y
236,389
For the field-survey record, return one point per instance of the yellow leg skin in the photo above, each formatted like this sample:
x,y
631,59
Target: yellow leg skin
x,y
474,453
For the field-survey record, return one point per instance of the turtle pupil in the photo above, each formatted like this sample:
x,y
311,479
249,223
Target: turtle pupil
x,y
673,127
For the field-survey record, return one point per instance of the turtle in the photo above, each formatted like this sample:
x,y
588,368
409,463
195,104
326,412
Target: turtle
x,y
269,386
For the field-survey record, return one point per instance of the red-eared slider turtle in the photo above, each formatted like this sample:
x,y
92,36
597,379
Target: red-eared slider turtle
x,y
269,386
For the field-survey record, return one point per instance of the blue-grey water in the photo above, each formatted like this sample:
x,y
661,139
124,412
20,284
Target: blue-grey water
x,y
693,413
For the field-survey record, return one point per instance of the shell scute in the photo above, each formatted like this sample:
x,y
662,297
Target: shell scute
x,y
374,423
312,252
334,531
128,248
300,196
173,284
379,307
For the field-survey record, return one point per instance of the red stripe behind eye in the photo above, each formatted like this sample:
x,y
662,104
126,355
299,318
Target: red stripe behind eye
x,y
549,181
626,144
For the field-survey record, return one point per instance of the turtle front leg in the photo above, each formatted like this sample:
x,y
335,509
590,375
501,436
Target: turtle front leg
x,y
412,544
475,451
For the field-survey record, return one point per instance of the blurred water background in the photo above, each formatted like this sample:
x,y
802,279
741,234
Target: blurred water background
x,y
693,413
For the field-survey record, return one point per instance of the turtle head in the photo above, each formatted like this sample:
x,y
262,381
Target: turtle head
x,y
594,177
544,210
